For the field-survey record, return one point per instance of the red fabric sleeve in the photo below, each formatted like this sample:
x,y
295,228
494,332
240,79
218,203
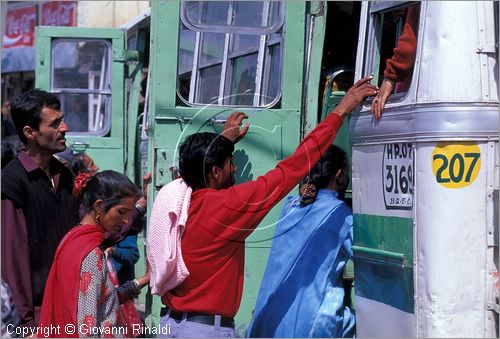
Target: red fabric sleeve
x,y
245,205
401,64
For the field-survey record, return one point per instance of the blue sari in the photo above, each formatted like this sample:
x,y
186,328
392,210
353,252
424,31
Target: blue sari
x,y
301,293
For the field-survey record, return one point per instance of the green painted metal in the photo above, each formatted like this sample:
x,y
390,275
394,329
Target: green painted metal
x,y
293,57
131,154
380,254
383,260
318,11
108,152
389,234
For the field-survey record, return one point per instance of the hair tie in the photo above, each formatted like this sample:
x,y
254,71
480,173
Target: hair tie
x,y
80,182
308,193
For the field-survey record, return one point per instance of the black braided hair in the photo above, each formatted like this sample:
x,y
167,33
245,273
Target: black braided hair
x,y
322,173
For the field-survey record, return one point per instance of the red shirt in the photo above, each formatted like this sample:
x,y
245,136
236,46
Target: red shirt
x,y
213,244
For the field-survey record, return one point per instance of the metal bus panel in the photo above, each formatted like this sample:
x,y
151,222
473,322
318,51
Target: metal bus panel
x,y
451,270
384,321
458,62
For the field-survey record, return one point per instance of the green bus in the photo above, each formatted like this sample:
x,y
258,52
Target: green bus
x,y
424,185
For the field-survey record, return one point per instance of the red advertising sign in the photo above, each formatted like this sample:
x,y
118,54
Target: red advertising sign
x,y
59,13
20,26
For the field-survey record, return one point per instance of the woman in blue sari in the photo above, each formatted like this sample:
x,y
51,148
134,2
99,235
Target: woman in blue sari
x,y
302,294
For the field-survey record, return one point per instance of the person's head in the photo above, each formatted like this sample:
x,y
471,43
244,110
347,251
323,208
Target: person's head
x,y
331,171
205,161
65,157
83,163
108,197
39,121
6,110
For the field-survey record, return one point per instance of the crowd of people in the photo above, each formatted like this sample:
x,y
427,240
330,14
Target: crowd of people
x,y
69,233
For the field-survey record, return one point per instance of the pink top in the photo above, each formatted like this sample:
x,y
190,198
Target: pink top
x,y
166,226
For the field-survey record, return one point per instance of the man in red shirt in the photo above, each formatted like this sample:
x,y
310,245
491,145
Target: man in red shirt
x,y
221,216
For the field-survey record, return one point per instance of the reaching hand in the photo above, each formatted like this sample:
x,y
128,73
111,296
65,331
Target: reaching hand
x,y
355,95
144,280
231,129
378,103
146,179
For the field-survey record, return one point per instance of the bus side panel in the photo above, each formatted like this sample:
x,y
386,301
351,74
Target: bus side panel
x,y
452,228
383,243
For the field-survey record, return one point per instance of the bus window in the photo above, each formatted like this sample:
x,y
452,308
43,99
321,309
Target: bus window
x,y
223,68
81,71
396,32
233,16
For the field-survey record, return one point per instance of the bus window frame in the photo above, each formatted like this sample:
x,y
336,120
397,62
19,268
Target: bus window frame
x,y
106,93
263,66
372,56
229,27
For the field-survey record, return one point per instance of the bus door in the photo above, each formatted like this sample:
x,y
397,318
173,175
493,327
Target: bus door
x,y
86,69
209,59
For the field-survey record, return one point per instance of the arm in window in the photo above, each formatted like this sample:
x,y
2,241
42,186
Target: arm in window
x,y
400,66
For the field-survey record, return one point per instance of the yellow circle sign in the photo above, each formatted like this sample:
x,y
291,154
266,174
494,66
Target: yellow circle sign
x,y
456,165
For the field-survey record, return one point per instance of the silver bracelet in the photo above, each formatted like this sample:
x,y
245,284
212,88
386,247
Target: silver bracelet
x,y
140,208
136,283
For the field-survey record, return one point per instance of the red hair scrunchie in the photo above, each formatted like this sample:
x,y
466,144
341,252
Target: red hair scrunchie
x,y
80,182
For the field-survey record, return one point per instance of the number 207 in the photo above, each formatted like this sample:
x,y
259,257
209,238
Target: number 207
x,y
455,175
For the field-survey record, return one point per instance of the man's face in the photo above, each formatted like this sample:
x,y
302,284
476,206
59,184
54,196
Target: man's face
x,y
50,136
228,177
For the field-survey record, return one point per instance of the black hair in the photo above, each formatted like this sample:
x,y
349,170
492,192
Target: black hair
x,y
78,163
199,153
109,186
27,107
320,175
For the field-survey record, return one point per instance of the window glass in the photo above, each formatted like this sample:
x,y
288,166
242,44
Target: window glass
x,y
76,111
77,63
272,85
243,42
85,113
206,12
249,13
212,48
397,45
246,73
230,16
243,80
81,77
209,84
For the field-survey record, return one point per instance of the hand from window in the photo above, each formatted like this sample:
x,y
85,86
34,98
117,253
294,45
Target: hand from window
x,y
379,101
